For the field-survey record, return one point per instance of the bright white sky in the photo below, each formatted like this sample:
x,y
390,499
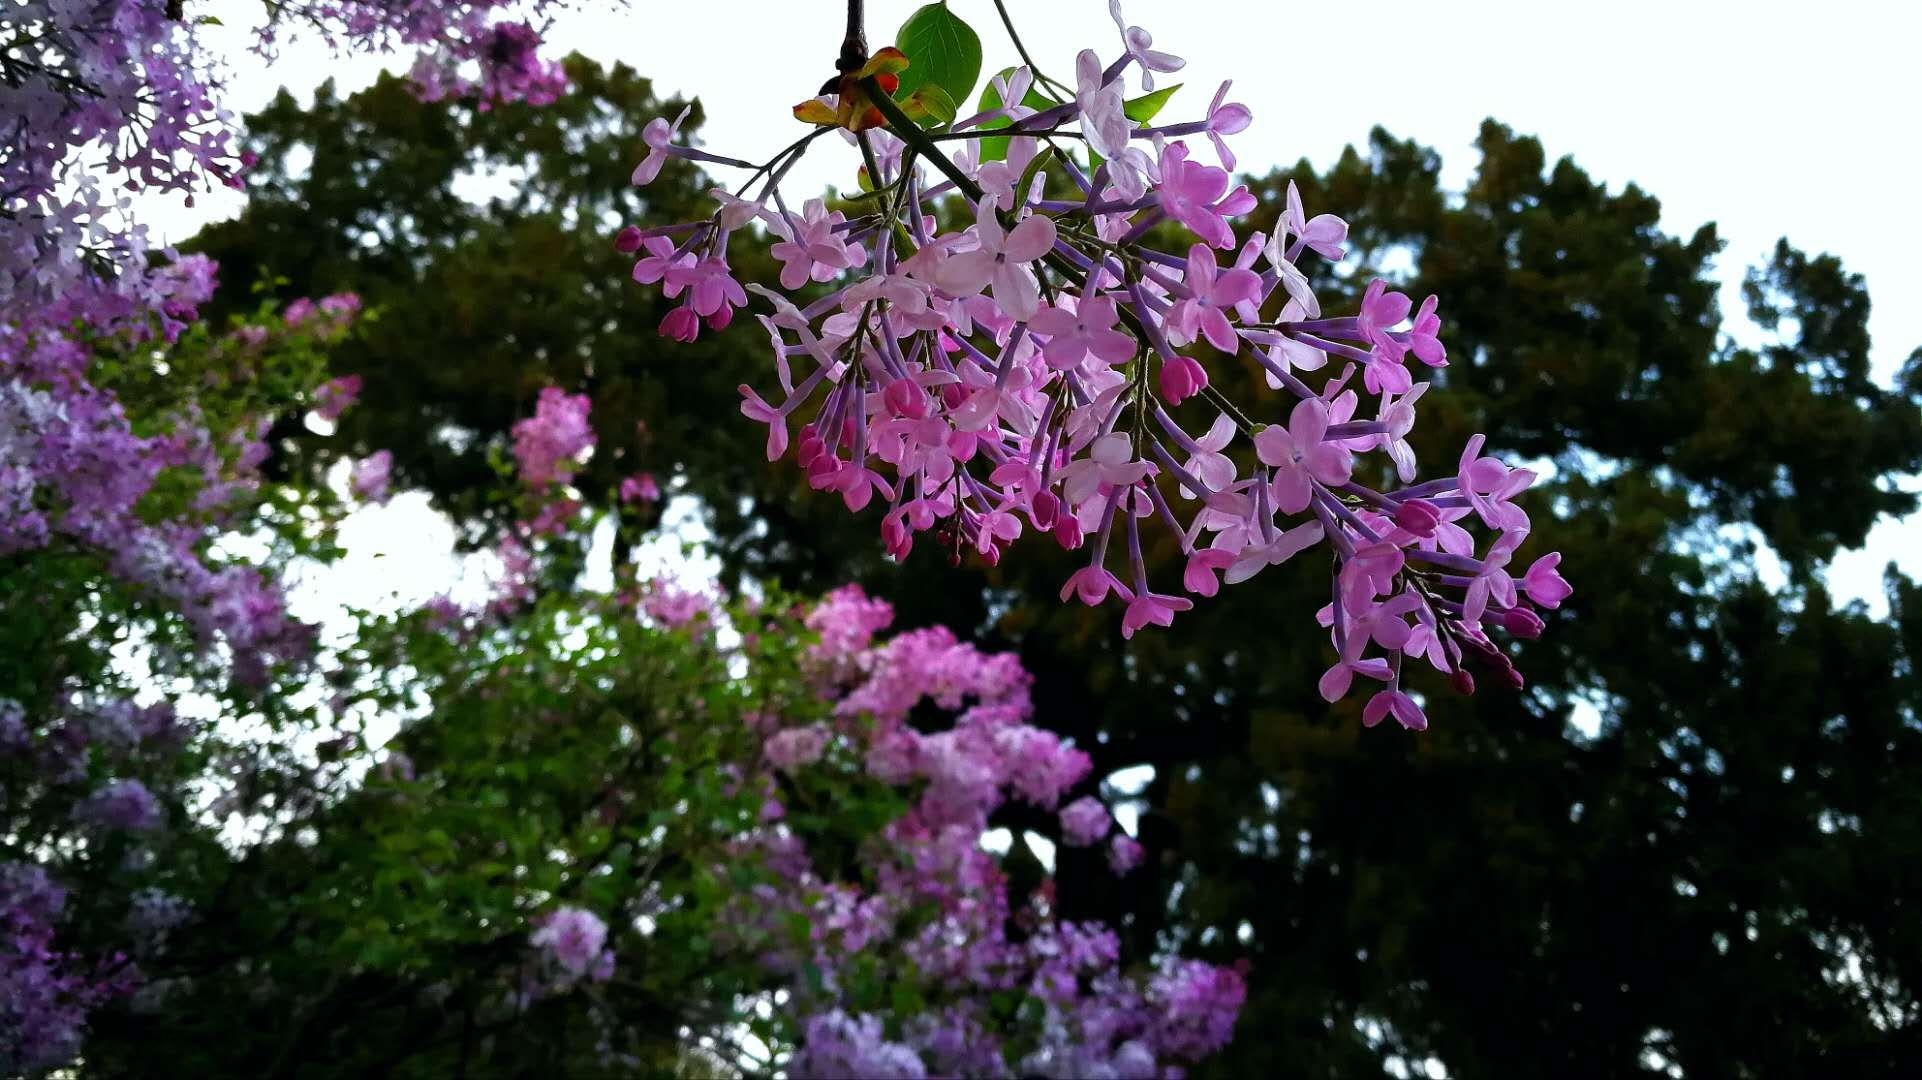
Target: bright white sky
x,y
1771,119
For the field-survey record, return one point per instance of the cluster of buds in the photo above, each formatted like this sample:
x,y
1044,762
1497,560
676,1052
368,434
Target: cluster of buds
x,y
1042,368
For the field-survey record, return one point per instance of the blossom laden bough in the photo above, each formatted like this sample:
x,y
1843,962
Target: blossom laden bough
x,y
1028,370
105,97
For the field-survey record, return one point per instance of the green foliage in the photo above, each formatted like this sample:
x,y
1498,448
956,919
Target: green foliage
x,y
944,53
566,756
929,106
1145,108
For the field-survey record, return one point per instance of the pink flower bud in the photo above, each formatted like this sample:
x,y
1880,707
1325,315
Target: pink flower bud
x,y
1463,682
896,537
1419,517
628,240
963,444
1181,378
903,398
1044,509
809,448
681,324
1522,623
1067,532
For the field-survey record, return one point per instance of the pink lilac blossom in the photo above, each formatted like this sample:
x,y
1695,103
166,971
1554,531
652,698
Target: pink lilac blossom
x,y
334,397
73,469
573,942
932,909
640,488
549,444
1033,369
370,478
1084,822
1124,854
669,604
795,747
928,907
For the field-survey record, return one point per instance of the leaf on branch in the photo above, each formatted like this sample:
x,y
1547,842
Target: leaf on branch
x,y
944,52
1144,108
929,106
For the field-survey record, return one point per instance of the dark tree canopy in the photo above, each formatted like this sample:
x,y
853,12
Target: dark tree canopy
x,y
1728,876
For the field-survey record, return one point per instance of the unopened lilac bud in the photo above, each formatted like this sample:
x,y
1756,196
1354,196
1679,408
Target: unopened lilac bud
x,y
1522,623
1067,532
1463,682
628,240
1419,517
1046,506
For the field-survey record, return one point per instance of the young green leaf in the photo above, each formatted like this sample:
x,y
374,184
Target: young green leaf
x,y
942,51
1144,108
929,106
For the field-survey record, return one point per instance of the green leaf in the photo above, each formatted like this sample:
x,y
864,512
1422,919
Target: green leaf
x,y
942,51
1144,108
929,106
906,1000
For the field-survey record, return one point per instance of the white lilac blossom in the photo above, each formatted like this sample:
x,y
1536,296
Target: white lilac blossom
x,y
1039,368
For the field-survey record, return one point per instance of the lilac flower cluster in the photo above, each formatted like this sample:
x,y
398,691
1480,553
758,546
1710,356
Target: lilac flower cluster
x,y
46,993
934,913
73,470
572,946
336,396
1001,987
56,808
91,89
508,59
121,806
98,94
94,776
1044,368
640,488
668,604
152,916
371,477
549,444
